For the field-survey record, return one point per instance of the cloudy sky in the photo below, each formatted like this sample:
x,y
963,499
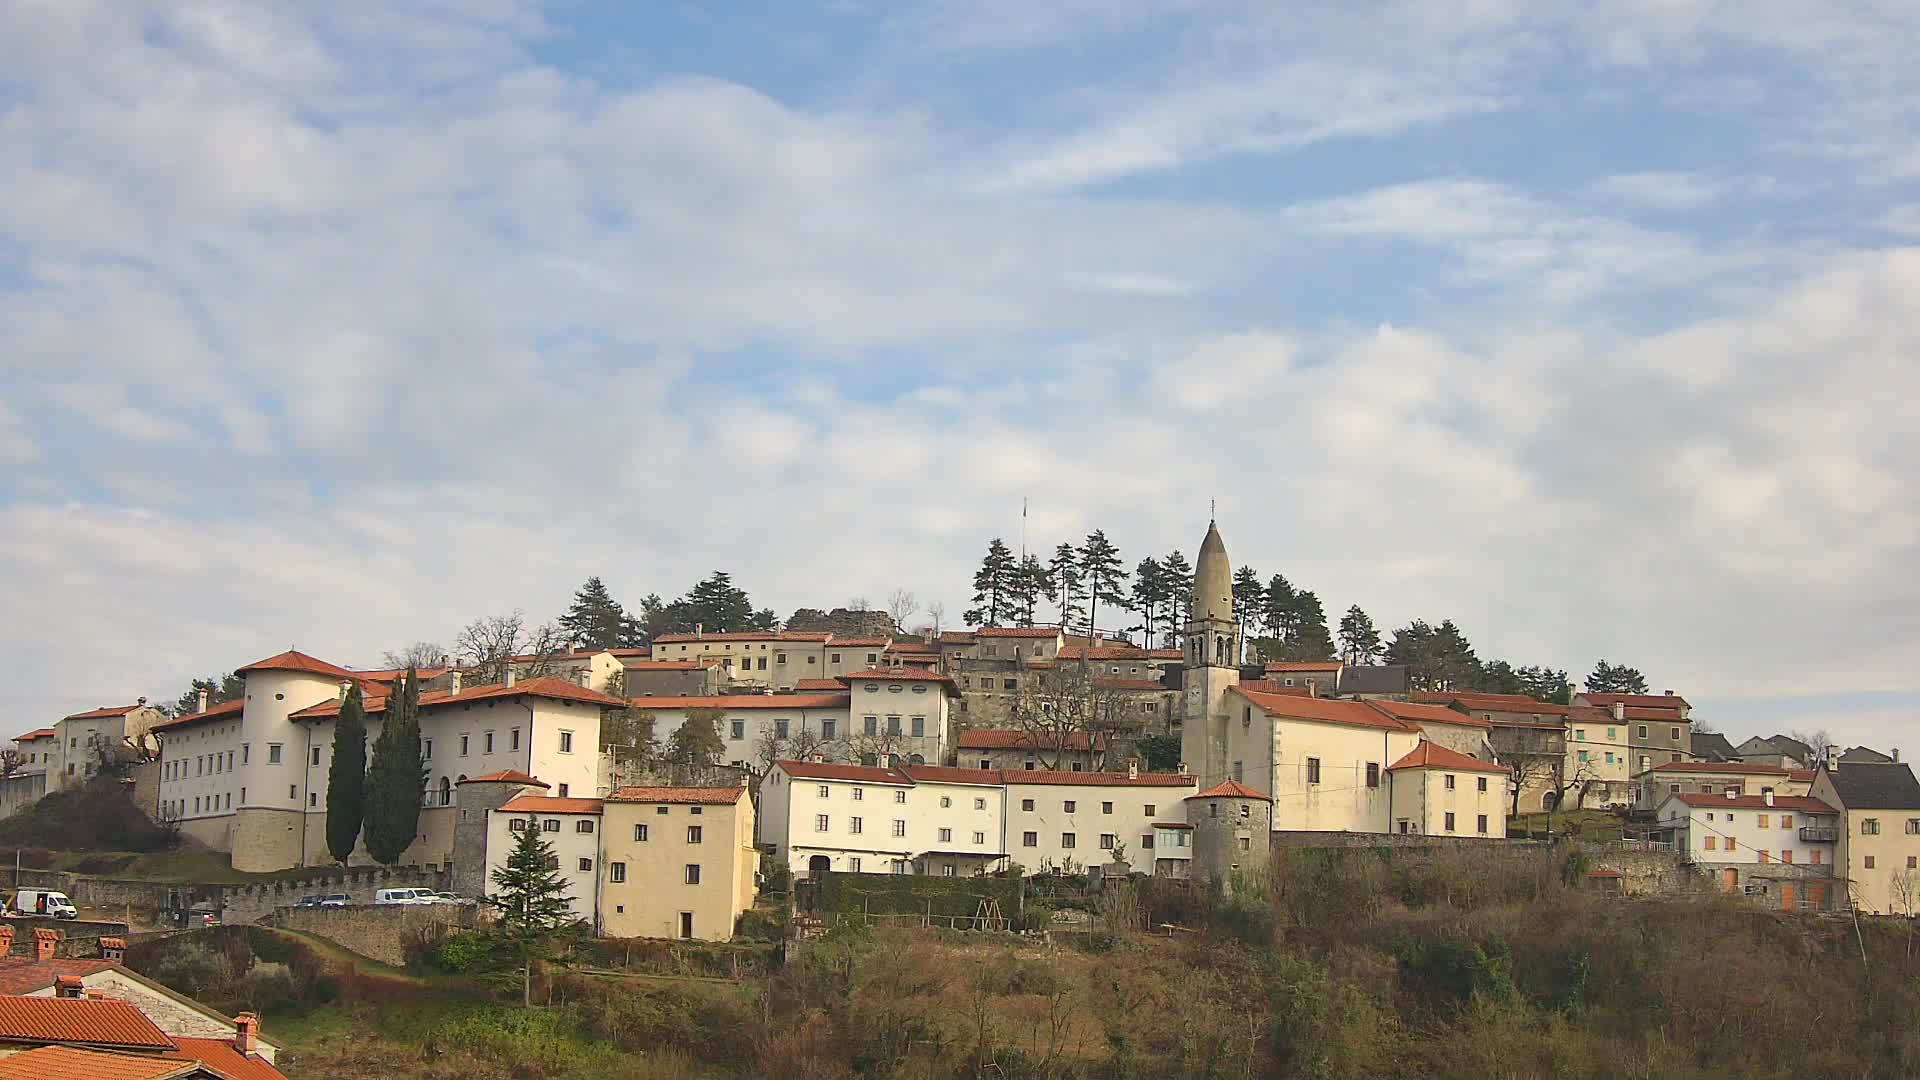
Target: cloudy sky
x,y
1588,326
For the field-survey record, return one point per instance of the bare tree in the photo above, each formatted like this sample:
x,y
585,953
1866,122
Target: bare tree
x,y
1532,770
1819,742
420,654
1064,709
797,746
936,615
487,643
859,603
1704,727
879,746
11,761
546,647
1575,784
901,606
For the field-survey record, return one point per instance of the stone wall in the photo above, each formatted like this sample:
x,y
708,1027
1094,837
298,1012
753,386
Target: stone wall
x,y
1647,873
1301,838
381,933
79,938
251,903
148,898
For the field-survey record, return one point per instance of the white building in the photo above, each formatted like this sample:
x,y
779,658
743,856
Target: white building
x,y
1442,792
1067,820
572,826
1782,846
1323,762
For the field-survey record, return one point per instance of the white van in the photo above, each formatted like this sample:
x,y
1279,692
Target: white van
x,y
48,902
389,897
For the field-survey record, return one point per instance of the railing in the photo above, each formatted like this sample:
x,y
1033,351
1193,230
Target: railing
x,y
1820,834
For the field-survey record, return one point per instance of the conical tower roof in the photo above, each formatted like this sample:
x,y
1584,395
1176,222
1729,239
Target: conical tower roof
x,y
1213,579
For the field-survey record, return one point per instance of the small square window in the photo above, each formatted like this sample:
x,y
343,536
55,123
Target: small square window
x,y
586,865
1069,805
693,874
1029,839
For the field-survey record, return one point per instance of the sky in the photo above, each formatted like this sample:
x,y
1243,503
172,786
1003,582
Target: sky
x,y
1589,327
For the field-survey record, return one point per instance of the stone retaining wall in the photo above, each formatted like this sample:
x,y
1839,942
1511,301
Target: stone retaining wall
x,y
251,903
381,933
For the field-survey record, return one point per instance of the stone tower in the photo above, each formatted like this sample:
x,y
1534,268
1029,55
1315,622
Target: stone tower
x,y
1232,833
1212,663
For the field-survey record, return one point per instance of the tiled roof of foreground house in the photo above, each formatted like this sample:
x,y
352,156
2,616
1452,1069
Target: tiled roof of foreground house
x,y
222,711
1230,789
1755,802
61,1062
1640,701
1323,710
104,712
1876,786
83,1021
1432,756
39,733
1414,712
546,686
815,770
294,660
722,796
545,804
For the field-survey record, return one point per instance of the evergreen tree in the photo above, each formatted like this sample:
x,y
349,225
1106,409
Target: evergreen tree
x,y
228,687
397,779
697,740
1616,679
1310,640
1149,594
1437,658
347,778
717,605
1279,616
1546,684
1064,571
1249,599
1030,583
536,916
1359,641
1498,677
597,621
1179,577
993,585
1105,575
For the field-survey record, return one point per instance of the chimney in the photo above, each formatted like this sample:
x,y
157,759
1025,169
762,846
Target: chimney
x,y
6,940
1133,768
203,699
113,948
510,672
346,687
446,661
1896,753
1733,793
246,1029
1619,710
142,701
44,942
699,630
1669,693
1183,768
1768,796
456,680
68,986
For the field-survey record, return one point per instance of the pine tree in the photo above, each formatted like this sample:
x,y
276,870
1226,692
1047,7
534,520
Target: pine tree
x,y
1280,617
397,779
228,687
1310,639
1616,679
1105,575
1030,583
1249,598
347,778
536,914
1359,641
1498,677
697,740
1179,577
992,587
1064,571
597,621
1546,684
1149,594
1437,658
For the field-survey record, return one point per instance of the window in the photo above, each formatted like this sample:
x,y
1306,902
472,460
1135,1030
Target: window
x,y
979,837
1786,821
1449,818
1762,819
1066,840
1481,825
616,872
871,724
513,739
946,801
1106,808
1069,805
1449,781
292,791
780,729
1009,684
1869,826
640,833
1146,841
1913,826
566,742
464,741
693,878
426,748
245,752
1786,855
1643,731
660,811
893,725
899,827
563,791
1237,775
1482,786
583,826
1029,839
763,663
819,823
1675,735
586,865
828,728
1026,805
779,658
1913,861
551,824
855,826
919,726
900,797
853,862
694,832
826,791
316,755
946,836
1313,770
1713,843
1583,757
1107,840
979,804
736,729
1245,811
313,798
1149,810
273,753
1867,862
1814,857
488,742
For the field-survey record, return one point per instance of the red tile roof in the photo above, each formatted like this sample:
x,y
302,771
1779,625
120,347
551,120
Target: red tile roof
x,y
42,733
546,686
859,642
912,647
1094,779
104,712
1015,739
907,673
956,637
508,776
1755,802
1734,767
1165,654
730,702
81,1021
25,975
740,635
1303,665
826,770
1128,684
720,796
1417,713
220,1056
388,675
1433,756
64,1062
1103,652
1323,710
293,660
1805,775
1268,686
827,685
543,804
1230,789
1017,632
1648,701
662,665
222,711
940,774
1499,703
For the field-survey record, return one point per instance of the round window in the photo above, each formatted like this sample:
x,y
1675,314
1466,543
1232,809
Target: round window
x,y
873,688
279,697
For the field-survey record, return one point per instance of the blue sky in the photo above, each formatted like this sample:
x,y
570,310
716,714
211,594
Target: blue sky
x,y
1587,326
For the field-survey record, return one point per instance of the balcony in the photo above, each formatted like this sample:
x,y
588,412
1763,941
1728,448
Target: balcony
x,y
1820,834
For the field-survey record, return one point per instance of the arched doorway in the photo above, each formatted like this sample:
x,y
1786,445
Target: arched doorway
x,y
917,760
818,865
446,792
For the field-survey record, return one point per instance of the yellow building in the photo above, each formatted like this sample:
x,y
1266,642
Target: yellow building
x,y
676,862
1877,844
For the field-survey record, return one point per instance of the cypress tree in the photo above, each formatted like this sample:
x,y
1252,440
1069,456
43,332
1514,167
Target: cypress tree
x,y
398,776
347,779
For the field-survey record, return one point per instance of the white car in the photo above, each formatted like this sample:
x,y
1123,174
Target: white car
x,y
396,897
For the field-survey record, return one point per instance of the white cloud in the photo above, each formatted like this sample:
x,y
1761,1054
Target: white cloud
x,y
17,446
1660,190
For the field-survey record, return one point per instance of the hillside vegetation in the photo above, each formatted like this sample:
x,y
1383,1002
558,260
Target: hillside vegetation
x,y
1344,964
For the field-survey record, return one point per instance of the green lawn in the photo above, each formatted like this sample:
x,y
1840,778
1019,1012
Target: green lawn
x,y
209,867
1586,824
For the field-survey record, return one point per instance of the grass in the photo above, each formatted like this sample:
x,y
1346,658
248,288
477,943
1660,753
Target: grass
x,y
1587,824
198,867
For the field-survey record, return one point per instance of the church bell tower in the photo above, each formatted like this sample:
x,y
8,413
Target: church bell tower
x,y
1213,647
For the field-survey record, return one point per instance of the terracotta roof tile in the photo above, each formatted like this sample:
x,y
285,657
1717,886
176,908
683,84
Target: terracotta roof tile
x,y
507,776
226,710
912,647
1417,713
41,733
1802,803
730,702
1499,703
1648,701
741,635
83,1021
542,804
293,660
25,975
1323,710
546,686
1303,665
831,686
907,673
1165,654
1231,789
723,796
1017,632
1058,778
859,642
956,637
104,712
1433,756
941,774
220,1056
1015,739
1733,767
63,1062
826,770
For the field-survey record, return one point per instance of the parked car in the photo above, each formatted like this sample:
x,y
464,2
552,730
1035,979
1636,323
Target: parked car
x,y
338,899
308,901
441,896
392,897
